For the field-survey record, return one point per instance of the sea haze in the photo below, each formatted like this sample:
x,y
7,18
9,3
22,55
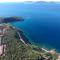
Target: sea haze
x,y
41,24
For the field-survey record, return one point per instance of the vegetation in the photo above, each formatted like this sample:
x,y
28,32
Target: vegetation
x,y
16,50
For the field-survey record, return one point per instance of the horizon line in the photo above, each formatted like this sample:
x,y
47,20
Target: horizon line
x,y
19,1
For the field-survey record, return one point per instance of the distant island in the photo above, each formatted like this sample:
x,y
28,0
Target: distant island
x,y
10,19
14,45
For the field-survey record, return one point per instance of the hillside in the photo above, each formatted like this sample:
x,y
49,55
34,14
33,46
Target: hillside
x,y
16,48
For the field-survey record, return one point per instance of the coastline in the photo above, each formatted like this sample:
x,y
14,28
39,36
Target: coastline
x,y
23,36
26,39
47,49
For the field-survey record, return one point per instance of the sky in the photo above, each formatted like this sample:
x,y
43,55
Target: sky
x,y
28,0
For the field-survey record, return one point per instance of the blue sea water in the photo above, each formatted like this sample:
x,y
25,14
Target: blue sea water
x,y
41,21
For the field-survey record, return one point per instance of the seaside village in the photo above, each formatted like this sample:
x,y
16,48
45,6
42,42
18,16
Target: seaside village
x,y
3,31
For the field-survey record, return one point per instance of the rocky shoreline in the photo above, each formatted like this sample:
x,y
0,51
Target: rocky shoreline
x,y
23,36
52,51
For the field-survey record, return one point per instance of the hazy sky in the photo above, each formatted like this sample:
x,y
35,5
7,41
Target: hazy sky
x,y
27,0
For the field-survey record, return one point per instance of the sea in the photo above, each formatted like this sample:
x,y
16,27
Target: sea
x,y
41,23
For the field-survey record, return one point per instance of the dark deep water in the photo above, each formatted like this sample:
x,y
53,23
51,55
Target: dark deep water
x,y
46,33
41,24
